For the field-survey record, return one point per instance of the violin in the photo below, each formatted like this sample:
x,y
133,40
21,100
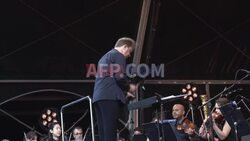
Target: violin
x,y
186,125
217,117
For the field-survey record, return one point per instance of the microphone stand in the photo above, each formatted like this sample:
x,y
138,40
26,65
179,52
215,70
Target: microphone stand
x,y
236,131
192,111
160,119
218,95
242,98
244,103
160,132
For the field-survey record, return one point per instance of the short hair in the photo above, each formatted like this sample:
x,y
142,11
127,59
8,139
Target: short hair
x,y
125,41
77,127
222,101
30,135
52,125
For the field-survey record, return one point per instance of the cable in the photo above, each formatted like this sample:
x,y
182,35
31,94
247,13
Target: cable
x,y
19,121
37,91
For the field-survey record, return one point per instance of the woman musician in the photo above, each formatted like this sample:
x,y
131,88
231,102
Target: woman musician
x,y
222,131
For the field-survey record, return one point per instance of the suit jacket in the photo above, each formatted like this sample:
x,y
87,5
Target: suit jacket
x,y
111,84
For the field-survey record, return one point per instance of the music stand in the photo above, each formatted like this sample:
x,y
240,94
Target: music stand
x,y
151,131
89,138
139,138
235,119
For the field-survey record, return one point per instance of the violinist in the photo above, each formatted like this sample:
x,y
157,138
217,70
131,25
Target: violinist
x,y
221,129
183,132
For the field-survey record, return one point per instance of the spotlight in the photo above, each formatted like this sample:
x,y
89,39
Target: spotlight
x,y
190,99
184,90
45,123
195,95
54,115
44,116
194,89
191,92
188,86
48,116
48,111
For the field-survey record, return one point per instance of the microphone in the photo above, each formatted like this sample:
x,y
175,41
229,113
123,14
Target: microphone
x,y
246,71
143,87
234,103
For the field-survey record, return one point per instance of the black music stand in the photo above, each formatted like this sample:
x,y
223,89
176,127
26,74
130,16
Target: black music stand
x,y
151,131
139,138
235,119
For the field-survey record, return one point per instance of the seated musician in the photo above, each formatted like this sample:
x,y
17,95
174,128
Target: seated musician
x,y
221,129
139,135
178,113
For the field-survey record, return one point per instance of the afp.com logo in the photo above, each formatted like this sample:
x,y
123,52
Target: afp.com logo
x,y
116,70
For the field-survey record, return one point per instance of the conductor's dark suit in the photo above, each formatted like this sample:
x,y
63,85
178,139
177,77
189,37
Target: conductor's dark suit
x,y
108,94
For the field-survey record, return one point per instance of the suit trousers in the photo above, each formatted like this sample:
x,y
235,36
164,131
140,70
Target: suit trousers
x,y
107,113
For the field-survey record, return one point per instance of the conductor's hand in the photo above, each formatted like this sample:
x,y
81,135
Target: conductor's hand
x,y
132,88
130,96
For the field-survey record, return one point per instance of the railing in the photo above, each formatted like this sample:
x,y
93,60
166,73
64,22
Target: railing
x,y
91,114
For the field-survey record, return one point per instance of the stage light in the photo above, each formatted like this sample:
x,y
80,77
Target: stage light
x,y
54,115
191,92
195,95
44,116
184,90
194,89
45,123
48,116
190,98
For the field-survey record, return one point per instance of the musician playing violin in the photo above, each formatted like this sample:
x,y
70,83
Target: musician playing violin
x,y
184,129
221,129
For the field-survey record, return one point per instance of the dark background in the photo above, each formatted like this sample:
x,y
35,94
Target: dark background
x,y
54,40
